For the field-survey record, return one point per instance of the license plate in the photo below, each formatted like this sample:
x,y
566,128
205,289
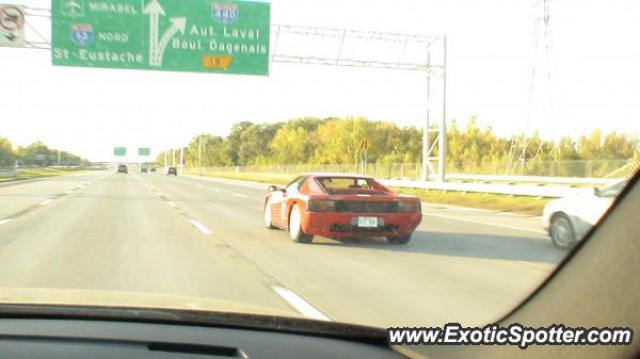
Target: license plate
x,y
368,222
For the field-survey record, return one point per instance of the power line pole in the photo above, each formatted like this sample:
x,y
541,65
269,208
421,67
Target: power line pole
x,y
181,165
425,131
442,150
200,155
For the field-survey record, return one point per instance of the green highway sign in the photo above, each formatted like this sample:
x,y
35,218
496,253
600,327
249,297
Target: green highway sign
x,y
218,36
144,151
119,151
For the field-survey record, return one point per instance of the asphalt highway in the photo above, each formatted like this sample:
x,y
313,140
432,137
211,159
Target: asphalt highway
x,y
163,235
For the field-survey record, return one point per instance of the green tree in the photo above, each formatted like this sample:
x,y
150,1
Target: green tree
x,y
590,147
207,151
293,144
7,157
339,141
618,146
37,154
565,150
235,141
254,144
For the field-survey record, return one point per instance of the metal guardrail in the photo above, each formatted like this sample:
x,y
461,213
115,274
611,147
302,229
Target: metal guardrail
x,y
494,188
532,179
9,172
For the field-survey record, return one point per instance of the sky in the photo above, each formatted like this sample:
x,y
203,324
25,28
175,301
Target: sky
x,y
594,79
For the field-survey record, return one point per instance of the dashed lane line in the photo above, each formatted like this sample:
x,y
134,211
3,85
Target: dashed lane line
x,y
199,226
46,202
299,303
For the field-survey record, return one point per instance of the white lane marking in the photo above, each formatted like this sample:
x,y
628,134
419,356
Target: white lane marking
x,y
46,202
69,192
5,221
299,303
539,231
207,187
158,194
171,204
239,195
200,227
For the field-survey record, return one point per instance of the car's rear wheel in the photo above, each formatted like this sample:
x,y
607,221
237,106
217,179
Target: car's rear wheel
x,y
267,216
399,239
561,231
295,226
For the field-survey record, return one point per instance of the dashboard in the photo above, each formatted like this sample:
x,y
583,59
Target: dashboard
x,y
62,338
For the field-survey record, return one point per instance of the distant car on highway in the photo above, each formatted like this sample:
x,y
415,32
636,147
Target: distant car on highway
x,y
341,206
568,219
153,169
123,169
172,171
144,169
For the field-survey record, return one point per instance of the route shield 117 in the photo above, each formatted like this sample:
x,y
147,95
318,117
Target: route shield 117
x,y
216,36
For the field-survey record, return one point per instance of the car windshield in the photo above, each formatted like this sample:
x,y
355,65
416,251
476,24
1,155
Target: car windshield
x,y
385,163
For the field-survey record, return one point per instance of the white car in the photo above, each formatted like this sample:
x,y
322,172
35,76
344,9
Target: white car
x,y
568,219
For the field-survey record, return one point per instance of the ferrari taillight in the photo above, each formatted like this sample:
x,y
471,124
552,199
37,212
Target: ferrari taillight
x,y
409,206
321,205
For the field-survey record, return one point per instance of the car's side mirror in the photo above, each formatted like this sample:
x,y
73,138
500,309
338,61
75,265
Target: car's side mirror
x,y
273,188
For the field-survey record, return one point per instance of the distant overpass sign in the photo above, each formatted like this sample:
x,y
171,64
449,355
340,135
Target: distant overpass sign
x,y
144,151
218,36
119,151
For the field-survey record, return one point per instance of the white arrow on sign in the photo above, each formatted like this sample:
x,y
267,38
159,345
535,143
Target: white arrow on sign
x,y
156,48
178,24
154,10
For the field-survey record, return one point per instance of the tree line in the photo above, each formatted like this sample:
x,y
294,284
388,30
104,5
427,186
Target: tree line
x,y
35,154
340,141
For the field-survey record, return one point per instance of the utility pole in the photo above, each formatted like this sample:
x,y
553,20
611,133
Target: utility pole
x,y
200,155
426,146
181,165
442,150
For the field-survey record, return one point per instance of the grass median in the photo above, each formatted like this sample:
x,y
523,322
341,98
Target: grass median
x,y
33,173
516,204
